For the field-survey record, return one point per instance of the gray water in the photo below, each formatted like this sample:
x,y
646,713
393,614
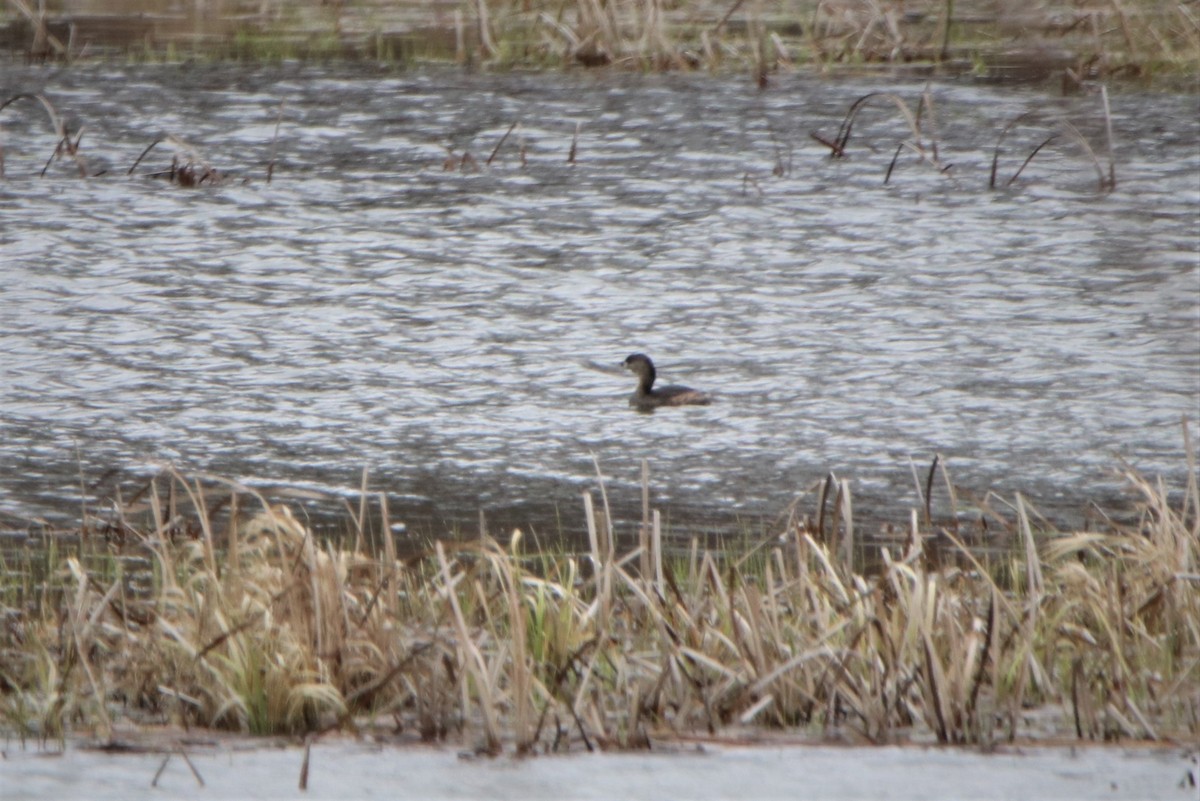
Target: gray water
x,y
348,770
447,329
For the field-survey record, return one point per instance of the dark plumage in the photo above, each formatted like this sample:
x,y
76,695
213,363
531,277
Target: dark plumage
x,y
646,397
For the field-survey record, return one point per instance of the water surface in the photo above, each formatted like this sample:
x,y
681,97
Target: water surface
x,y
339,770
368,308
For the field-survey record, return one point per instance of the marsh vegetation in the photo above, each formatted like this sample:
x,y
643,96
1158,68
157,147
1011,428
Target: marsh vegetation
x,y
1131,38
203,604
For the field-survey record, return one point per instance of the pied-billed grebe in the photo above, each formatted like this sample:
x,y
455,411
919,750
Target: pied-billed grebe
x,y
647,397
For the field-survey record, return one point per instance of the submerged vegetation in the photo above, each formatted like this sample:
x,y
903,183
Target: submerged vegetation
x,y
1125,38
203,604
189,168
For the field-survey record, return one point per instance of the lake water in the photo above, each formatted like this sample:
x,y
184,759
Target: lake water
x,y
342,769
458,332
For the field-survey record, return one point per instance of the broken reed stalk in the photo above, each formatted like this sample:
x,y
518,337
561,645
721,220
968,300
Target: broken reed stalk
x,y
191,170
143,154
303,783
929,490
844,130
470,656
782,167
1012,124
928,154
656,540
64,141
389,540
275,142
1108,129
610,544
486,42
847,514
947,23
521,680
360,518
924,140
1028,159
1191,494
460,38
887,176
1033,564
927,119
604,548
197,498
568,35
644,528
41,33
716,30
1104,182
601,565
589,516
187,760
500,144
65,144
950,493
82,641
758,50
574,144
922,494
826,483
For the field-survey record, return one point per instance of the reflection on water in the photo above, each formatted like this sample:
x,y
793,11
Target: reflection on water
x,y
368,308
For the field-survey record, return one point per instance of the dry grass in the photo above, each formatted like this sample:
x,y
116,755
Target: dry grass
x,y
190,168
1130,38
66,141
246,622
1079,41
922,141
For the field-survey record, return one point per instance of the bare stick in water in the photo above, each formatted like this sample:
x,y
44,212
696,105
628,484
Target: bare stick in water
x,y
304,764
917,143
929,490
1074,133
1112,158
60,130
574,144
149,147
274,143
500,144
1028,159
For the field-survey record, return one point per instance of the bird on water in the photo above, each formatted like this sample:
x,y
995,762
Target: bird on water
x,y
646,397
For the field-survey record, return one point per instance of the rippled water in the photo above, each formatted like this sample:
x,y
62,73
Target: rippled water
x,y
369,308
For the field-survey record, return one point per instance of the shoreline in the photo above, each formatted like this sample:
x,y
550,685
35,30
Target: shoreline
x,y
1141,43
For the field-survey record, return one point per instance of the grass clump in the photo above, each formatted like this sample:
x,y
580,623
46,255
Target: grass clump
x,y
248,623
